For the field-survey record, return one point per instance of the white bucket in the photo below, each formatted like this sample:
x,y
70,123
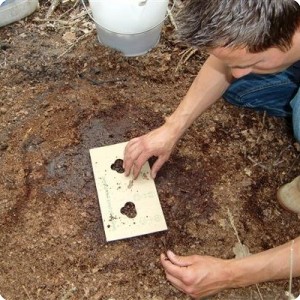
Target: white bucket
x,y
130,26
15,10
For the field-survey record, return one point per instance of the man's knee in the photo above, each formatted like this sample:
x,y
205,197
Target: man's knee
x,y
295,104
271,93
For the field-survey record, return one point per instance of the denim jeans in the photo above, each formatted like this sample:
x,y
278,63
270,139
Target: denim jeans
x,y
277,94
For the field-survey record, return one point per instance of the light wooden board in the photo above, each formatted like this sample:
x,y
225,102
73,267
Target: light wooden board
x,y
115,190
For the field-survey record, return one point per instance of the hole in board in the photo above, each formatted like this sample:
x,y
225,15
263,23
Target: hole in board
x,y
118,166
129,210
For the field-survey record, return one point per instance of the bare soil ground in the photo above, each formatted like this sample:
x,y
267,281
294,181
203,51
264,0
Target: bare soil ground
x,y
62,93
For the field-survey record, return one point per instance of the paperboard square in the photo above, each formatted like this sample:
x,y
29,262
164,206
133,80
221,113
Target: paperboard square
x,y
128,207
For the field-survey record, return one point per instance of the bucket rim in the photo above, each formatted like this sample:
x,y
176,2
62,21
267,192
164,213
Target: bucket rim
x,y
136,33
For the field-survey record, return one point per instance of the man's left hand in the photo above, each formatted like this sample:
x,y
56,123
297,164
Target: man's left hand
x,y
198,276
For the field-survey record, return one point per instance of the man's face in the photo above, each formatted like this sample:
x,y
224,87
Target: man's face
x,y
242,62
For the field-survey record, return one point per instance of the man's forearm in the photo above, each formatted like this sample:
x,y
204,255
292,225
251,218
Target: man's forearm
x,y
209,86
269,265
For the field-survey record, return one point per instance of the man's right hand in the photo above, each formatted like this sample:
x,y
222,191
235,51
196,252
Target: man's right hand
x,y
209,85
159,142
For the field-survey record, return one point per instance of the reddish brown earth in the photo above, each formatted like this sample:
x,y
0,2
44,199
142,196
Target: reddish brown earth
x,y
56,105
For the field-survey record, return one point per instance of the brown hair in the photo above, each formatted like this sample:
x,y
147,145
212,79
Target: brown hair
x,y
254,24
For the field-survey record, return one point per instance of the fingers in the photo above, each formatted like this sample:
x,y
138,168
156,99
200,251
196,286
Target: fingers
x,y
180,276
157,165
177,275
177,283
181,261
131,153
171,269
138,164
136,153
138,150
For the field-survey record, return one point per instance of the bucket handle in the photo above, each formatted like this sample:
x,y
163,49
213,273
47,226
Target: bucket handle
x,y
142,2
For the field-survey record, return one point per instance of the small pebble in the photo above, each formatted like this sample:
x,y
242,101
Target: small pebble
x,y
3,110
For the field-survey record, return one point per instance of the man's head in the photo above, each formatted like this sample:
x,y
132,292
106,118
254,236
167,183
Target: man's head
x,y
256,25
